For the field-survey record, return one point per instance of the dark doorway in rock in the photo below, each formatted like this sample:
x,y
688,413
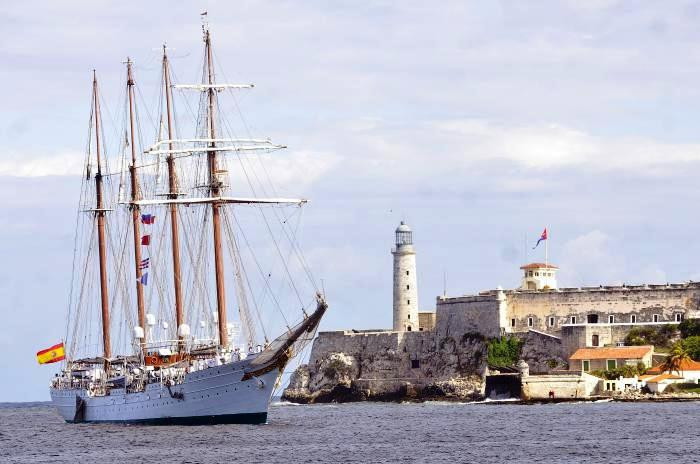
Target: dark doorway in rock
x,y
415,364
503,386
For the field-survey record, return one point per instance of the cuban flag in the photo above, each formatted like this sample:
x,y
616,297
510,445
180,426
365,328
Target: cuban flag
x,y
148,218
542,237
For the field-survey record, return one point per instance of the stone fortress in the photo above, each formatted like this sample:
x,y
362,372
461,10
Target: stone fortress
x,y
443,353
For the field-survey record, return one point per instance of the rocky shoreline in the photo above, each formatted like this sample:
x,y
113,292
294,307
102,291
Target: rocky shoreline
x,y
344,394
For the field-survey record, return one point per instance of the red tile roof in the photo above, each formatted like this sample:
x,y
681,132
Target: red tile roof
x,y
539,266
618,352
685,365
661,377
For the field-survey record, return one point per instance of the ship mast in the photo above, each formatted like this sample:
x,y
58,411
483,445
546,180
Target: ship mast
x,y
100,213
215,191
135,209
173,194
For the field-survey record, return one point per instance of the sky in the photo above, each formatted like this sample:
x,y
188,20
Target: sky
x,y
478,123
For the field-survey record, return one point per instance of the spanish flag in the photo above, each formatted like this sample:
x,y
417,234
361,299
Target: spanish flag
x,y
53,354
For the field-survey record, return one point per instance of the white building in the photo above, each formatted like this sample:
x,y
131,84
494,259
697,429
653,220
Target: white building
x,y
405,281
539,276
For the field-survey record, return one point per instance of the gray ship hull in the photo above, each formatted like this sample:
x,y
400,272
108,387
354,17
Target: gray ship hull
x,y
214,395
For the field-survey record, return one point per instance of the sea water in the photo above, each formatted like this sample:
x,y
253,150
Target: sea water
x,y
374,433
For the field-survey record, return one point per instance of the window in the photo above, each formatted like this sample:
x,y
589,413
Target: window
x,y
408,302
595,340
679,317
611,319
592,318
586,365
415,364
573,319
633,318
408,287
408,328
530,273
512,322
529,322
611,364
551,322
537,274
656,318
409,316
406,272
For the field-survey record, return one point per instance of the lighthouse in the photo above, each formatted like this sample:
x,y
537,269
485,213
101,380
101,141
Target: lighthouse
x,y
405,281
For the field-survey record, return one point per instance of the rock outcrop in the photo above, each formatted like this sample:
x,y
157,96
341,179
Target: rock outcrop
x,y
390,366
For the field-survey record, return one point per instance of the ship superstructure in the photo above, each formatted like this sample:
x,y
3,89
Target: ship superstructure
x,y
161,238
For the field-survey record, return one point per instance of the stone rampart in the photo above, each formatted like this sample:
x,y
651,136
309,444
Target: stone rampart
x,y
578,385
517,311
549,310
477,314
390,365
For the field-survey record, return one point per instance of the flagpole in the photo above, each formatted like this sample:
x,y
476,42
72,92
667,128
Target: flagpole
x,y
546,250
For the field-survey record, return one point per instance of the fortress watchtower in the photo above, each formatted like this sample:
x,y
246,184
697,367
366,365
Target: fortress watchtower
x,y
405,281
539,276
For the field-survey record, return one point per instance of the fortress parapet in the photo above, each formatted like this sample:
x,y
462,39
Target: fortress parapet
x,y
509,311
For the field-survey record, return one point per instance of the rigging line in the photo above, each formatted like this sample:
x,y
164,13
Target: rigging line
x,y
82,286
76,236
267,224
286,268
298,251
120,285
262,274
148,113
198,276
273,271
158,285
234,251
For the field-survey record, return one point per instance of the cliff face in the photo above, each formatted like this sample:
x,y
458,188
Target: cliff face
x,y
347,366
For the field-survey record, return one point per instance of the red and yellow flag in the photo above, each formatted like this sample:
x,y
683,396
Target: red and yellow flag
x,y
53,354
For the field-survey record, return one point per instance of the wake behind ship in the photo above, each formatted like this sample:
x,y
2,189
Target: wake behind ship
x,y
159,242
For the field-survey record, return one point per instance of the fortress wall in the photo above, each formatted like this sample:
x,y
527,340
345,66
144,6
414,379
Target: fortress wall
x,y
375,355
543,352
620,302
564,386
457,316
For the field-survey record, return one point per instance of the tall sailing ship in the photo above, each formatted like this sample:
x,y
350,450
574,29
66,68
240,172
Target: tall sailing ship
x,y
161,285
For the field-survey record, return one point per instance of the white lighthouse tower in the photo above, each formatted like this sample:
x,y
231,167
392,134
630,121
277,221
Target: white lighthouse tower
x,y
405,281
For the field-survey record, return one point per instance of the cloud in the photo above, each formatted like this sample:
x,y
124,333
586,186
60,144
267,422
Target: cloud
x,y
29,165
589,259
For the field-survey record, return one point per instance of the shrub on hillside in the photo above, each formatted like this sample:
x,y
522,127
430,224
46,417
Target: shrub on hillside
x,y
504,351
692,346
690,328
661,336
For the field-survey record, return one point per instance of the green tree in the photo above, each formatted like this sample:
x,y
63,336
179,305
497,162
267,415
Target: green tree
x,y
692,346
690,328
675,358
504,351
664,334
640,336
